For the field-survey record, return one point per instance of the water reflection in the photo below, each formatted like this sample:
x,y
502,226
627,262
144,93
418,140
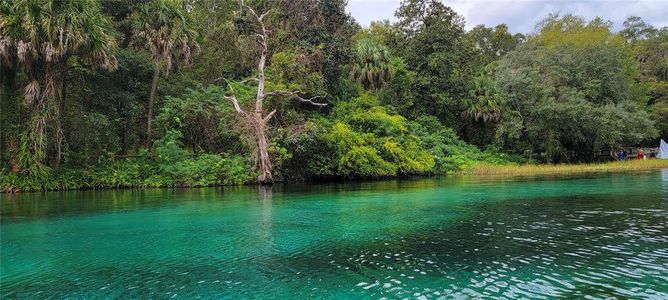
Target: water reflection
x,y
461,237
266,221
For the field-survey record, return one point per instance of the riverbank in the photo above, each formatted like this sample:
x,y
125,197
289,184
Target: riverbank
x,y
566,169
10,183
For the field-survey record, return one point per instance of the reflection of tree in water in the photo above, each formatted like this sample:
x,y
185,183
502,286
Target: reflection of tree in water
x,y
265,194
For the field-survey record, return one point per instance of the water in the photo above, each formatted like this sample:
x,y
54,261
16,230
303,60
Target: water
x,y
604,236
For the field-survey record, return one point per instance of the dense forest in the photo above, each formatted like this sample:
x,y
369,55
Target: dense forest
x,y
133,93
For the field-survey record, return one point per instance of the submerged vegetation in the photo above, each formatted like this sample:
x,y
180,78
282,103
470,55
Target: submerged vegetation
x,y
566,169
263,91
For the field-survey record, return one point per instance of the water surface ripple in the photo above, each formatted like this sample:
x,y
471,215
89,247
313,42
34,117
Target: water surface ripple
x,y
594,237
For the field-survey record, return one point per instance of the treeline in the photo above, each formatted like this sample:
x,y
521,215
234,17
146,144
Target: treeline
x,y
133,93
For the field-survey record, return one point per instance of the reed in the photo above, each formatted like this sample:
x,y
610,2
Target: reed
x,y
565,169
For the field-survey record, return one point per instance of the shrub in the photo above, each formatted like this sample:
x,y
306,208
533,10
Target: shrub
x,y
364,161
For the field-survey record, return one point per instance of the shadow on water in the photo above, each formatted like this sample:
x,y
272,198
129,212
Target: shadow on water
x,y
37,205
45,204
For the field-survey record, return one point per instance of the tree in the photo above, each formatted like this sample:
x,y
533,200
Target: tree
x,y
220,53
485,100
371,67
572,92
164,28
494,42
636,29
42,35
322,31
255,117
482,109
650,47
435,47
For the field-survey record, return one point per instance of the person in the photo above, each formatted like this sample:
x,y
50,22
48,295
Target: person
x,y
652,155
622,154
640,154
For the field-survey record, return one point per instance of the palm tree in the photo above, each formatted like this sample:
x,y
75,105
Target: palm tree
x,y
163,28
40,36
485,101
371,68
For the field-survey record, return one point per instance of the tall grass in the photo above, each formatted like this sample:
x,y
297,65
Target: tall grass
x,y
565,169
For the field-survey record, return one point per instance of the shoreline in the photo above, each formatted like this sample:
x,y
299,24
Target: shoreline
x,y
480,170
566,169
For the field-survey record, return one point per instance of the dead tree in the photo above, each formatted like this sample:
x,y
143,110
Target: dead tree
x,y
255,116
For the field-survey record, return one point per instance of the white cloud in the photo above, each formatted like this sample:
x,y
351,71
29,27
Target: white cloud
x,y
522,15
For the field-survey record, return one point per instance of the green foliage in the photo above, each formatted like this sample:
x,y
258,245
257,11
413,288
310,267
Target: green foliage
x,y
180,168
372,67
556,31
659,111
365,161
435,47
571,92
221,53
40,38
365,113
650,46
433,89
402,93
163,27
365,140
104,110
291,69
312,155
320,31
171,166
449,151
204,117
493,43
485,100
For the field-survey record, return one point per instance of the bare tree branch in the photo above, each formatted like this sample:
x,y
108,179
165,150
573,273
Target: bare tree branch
x,y
233,98
310,100
246,6
269,115
265,14
249,79
263,34
295,95
235,103
242,81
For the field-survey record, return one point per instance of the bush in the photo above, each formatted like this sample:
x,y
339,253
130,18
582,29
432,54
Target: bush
x,y
450,153
312,155
364,161
171,166
365,140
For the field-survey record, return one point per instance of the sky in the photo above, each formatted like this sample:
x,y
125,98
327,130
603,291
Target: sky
x,y
521,16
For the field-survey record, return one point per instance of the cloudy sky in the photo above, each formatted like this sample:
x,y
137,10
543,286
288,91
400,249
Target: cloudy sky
x,y
522,15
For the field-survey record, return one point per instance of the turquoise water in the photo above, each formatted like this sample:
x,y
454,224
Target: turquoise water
x,y
604,236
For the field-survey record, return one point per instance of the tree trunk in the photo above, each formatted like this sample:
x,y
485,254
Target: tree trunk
x,y
263,150
256,117
60,113
151,101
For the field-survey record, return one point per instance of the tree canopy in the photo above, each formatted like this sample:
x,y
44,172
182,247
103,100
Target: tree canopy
x,y
86,102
